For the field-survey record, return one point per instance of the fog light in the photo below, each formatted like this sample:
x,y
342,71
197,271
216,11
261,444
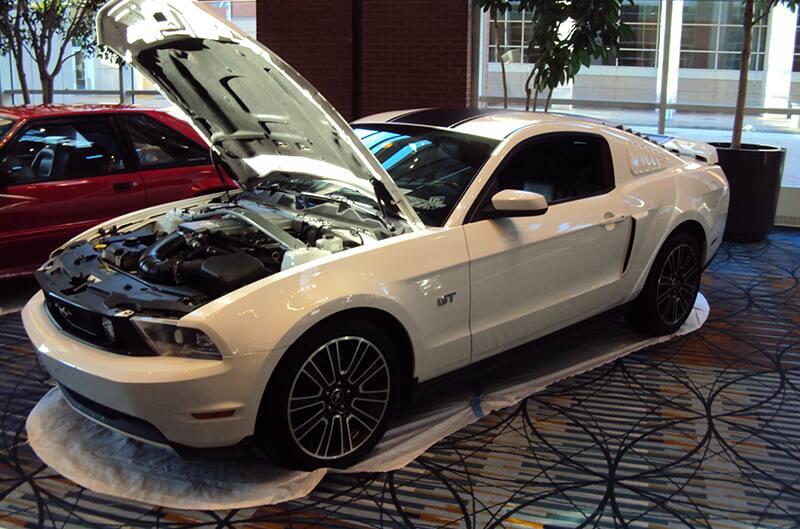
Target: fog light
x,y
108,330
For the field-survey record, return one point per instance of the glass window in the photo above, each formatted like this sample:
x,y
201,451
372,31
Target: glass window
x,y
698,60
641,48
64,150
699,37
647,11
6,124
637,50
511,30
157,145
433,168
80,71
712,36
561,167
642,58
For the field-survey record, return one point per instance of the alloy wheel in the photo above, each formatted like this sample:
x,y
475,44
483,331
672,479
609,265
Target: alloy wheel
x,y
677,284
339,397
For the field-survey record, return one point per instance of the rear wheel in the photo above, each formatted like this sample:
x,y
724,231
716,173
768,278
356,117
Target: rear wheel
x,y
671,288
330,399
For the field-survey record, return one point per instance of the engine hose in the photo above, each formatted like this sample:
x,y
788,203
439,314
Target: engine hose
x,y
158,264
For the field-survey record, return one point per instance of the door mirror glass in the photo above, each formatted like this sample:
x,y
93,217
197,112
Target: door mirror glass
x,y
516,203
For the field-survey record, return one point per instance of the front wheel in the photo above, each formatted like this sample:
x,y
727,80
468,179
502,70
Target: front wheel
x,y
329,400
671,288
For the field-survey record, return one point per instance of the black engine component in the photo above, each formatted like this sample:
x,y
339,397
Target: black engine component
x,y
223,273
160,264
124,251
171,260
124,254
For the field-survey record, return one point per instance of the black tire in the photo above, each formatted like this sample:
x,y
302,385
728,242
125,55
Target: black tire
x,y
330,422
671,287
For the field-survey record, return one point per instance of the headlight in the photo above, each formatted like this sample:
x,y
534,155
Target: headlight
x,y
166,338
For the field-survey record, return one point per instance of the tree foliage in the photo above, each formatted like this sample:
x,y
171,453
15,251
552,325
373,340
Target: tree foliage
x,y
45,29
568,35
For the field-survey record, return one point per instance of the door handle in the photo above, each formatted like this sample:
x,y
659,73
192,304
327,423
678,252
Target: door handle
x,y
611,219
123,186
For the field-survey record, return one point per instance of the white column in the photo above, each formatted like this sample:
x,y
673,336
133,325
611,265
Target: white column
x,y
779,57
674,51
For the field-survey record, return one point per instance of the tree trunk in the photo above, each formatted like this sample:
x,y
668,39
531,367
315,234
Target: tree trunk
x,y
23,81
500,58
47,88
744,70
528,89
547,103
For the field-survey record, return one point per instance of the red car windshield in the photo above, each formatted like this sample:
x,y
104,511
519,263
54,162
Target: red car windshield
x,y
6,123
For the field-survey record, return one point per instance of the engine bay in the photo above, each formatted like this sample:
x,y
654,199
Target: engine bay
x,y
171,264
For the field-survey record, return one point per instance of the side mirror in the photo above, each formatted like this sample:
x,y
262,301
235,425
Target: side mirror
x,y
516,203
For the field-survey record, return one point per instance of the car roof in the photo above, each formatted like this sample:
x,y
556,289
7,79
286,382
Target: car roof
x,y
35,111
488,122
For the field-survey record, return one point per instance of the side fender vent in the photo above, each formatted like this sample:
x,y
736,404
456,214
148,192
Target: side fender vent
x,y
630,246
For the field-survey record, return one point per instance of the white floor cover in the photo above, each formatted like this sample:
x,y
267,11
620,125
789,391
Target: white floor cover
x,y
110,463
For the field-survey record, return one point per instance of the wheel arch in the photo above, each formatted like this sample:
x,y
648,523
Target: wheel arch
x,y
380,318
686,224
694,228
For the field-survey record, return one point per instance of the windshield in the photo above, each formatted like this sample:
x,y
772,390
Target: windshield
x,y
6,123
432,167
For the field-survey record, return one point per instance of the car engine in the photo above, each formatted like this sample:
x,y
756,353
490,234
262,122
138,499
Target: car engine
x,y
174,263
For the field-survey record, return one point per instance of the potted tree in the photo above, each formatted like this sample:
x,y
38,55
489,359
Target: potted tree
x,y
754,171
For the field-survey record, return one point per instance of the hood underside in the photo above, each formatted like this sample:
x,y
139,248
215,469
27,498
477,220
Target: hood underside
x,y
259,115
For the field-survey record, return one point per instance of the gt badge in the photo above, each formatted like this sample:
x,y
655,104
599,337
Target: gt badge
x,y
444,300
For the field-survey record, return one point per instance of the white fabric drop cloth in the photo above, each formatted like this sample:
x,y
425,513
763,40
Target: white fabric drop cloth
x,y
110,463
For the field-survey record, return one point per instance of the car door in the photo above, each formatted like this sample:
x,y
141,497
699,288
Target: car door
x,y
60,177
171,165
532,275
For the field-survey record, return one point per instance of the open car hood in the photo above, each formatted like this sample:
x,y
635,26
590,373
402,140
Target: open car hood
x,y
256,111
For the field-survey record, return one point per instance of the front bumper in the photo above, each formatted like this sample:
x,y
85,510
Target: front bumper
x,y
163,392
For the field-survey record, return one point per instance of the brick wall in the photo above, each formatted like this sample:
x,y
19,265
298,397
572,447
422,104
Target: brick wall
x,y
316,38
414,53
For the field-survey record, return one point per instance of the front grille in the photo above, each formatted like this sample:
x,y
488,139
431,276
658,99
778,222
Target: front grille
x,y
87,326
113,418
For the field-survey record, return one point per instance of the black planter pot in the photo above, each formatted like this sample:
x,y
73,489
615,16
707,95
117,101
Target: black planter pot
x,y
754,173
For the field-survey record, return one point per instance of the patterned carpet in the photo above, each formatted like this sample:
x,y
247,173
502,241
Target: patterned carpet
x,y
703,431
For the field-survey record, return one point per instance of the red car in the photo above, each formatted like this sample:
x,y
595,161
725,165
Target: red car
x,y
64,169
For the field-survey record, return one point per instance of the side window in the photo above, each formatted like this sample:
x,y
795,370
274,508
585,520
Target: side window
x,y
63,150
561,167
157,145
